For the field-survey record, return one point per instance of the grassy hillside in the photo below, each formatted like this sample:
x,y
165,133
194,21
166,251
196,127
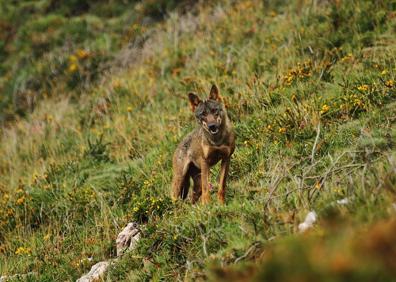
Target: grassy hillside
x,y
48,47
310,87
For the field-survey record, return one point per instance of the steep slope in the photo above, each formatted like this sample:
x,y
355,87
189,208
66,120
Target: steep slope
x,y
310,89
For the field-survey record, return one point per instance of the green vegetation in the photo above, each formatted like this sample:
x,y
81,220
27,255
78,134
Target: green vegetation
x,y
90,122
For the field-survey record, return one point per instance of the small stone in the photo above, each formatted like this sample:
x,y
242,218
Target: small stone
x,y
344,201
95,273
128,238
308,222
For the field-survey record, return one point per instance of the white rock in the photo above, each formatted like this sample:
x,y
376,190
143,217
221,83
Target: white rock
x,y
308,222
134,242
128,238
311,217
304,226
344,201
95,273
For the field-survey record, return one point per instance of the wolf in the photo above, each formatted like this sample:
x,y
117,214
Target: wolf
x,y
213,140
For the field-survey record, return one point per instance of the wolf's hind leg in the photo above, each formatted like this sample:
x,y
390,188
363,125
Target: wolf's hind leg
x,y
225,165
185,187
197,188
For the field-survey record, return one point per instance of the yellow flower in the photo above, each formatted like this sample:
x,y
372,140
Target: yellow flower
x,y
23,251
289,79
73,59
358,102
282,130
10,212
338,190
363,87
384,72
82,54
325,109
347,58
129,109
116,84
269,127
390,83
72,68
21,200
35,177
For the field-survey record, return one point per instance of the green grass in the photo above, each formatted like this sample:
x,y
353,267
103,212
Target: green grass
x,y
311,91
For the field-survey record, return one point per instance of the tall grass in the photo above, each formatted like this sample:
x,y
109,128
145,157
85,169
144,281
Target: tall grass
x,y
310,89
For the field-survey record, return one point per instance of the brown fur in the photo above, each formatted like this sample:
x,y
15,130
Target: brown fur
x,y
213,140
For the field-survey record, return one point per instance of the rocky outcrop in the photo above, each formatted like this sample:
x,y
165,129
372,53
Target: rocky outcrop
x,y
128,238
126,241
97,271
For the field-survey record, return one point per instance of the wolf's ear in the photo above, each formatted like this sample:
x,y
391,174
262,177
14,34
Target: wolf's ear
x,y
214,93
194,100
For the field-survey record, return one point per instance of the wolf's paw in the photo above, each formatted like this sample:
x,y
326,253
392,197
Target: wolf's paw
x,y
205,199
221,197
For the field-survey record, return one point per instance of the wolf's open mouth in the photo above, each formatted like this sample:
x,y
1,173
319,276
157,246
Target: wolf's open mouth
x,y
214,131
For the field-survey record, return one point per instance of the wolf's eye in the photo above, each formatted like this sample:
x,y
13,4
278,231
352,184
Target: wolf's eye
x,y
199,112
202,115
215,111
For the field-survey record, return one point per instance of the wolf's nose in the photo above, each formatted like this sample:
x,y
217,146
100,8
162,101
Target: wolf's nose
x,y
212,127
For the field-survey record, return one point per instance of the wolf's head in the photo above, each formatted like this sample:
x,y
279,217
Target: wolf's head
x,y
210,113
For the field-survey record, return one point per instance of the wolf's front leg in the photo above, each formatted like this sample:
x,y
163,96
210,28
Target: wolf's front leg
x,y
180,180
205,182
225,164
